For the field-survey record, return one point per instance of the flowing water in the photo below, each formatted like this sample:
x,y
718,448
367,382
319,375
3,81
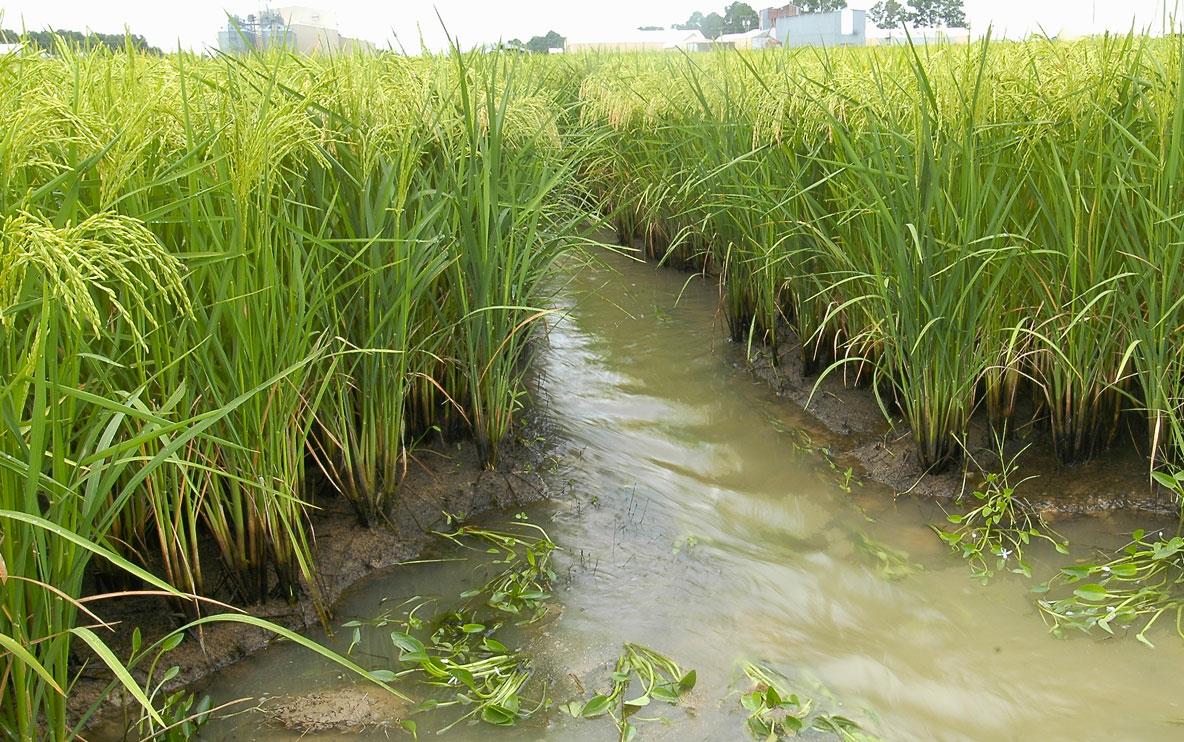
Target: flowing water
x,y
696,526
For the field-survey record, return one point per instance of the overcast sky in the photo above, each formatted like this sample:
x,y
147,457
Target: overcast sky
x,y
194,23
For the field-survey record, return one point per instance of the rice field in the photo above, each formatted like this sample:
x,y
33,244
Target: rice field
x,y
223,278
218,274
987,227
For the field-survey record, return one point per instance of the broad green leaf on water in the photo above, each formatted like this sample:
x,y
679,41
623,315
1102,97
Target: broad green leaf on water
x,y
1093,592
772,699
687,683
596,706
493,645
498,716
639,702
412,648
465,677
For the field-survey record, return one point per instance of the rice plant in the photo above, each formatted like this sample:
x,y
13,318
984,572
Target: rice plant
x,y
216,273
982,227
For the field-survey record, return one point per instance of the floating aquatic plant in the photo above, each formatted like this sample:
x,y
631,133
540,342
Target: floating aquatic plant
x,y
993,535
657,678
458,650
776,712
1134,588
892,564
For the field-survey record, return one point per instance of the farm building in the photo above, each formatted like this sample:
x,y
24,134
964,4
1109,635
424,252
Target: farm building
x,y
840,28
757,38
641,41
769,16
303,30
923,36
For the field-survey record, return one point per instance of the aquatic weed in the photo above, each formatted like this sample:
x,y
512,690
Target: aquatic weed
x,y
458,650
993,535
776,712
660,678
1136,587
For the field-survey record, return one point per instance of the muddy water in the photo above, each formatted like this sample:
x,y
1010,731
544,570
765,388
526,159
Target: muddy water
x,y
695,526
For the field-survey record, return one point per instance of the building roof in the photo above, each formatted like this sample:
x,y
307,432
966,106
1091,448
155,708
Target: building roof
x,y
755,33
668,38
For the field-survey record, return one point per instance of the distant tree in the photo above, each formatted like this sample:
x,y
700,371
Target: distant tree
x,y
740,17
712,26
919,13
694,23
540,44
820,6
737,18
45,40
889,14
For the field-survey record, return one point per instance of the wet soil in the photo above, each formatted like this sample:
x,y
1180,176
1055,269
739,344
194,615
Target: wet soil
x,y
884,452
439,479
327,714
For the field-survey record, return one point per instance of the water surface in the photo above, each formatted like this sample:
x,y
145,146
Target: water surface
x,y
695,525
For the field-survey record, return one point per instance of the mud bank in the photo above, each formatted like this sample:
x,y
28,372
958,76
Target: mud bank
x,y
439,479
883,452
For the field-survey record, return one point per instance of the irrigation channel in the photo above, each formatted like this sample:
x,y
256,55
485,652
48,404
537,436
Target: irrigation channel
x,y
695,526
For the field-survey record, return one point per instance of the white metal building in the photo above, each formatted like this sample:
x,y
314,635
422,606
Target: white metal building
x,y
757,38
302,29
641,41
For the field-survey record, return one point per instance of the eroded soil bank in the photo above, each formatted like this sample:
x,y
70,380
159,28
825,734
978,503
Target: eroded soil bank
x,y
883,452
439,479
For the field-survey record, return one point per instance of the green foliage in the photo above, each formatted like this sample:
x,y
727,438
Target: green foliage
x,y
740,17
921,229
215,272
737,18
49,41
1133,588
656,678
993,535
918,13
820,6
775,712
540,44
181,714
458,650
